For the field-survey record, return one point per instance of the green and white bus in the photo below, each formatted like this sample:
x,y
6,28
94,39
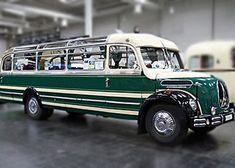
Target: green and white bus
x,y
128,76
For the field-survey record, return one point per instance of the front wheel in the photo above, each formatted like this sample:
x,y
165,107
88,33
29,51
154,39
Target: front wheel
x,y
34,109
167,124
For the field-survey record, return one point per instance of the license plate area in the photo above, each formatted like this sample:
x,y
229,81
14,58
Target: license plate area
x,y
228,117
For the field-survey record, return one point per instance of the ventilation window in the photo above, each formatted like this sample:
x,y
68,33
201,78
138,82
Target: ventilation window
x,y
7,64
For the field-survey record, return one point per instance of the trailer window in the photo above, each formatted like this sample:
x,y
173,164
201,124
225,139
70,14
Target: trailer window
x,y
7,63
203,61
86,58
207,61
121,57
195,62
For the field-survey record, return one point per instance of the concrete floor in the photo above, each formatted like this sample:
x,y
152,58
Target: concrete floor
x,y
65,142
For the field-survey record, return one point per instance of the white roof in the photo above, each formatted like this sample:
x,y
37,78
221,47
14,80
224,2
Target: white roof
x,y
219,50
215,48
137,40
127,38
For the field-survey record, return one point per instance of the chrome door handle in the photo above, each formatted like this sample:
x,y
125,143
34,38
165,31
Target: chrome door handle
x,y
107,82
1,79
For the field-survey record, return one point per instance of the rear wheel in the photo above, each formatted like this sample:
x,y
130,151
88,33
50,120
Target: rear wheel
x,y
204,130
34,109
166,123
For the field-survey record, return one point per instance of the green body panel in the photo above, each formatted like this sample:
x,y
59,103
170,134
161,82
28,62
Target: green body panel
x,y
207,92
118,84
139,84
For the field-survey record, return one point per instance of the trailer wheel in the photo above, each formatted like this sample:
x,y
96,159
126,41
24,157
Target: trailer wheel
x,y
167,124
34,109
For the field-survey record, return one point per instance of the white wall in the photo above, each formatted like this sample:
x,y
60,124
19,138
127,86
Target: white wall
x,y
148,21
191,22
72,31
3,45
105,25
225,19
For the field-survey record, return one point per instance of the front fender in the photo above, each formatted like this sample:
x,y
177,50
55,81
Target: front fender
x,y
175,97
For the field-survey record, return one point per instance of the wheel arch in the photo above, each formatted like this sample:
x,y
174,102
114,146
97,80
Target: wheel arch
x,y
30,91
177,98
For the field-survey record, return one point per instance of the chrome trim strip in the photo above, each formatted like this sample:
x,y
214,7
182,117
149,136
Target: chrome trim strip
x,y
177,85
83,92
216,123
225,95
13,87
94,100
98,109
118,102
58,97
199,120
199,125
14,93
10,98
90,100
215,118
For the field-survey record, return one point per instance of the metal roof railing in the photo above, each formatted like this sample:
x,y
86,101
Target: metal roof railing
x,y
62,44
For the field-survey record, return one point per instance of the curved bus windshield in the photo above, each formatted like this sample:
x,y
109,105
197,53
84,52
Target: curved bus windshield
x,y
154,57
157,58
175,59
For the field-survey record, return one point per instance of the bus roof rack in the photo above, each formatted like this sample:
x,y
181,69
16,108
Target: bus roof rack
x,y
71,42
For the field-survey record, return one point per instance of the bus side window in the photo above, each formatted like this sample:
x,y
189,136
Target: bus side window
x,y
233,57
51,60
121,57
7,62
86,58
24,61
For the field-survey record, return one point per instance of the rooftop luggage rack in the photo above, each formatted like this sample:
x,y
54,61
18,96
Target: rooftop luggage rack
x,y
62,44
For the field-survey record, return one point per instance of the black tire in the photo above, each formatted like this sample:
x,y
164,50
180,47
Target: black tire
x,y
204,130
176,119
34,109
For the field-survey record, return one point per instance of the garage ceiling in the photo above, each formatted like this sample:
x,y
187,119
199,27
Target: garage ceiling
x,y
19,16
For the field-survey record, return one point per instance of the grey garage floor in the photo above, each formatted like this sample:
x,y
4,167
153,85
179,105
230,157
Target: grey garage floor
x,y
90,141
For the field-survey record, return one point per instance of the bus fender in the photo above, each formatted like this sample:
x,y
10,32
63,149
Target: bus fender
x,y
30,91
178,98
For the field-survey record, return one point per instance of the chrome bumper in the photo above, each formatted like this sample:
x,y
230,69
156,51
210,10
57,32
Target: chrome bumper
x,y
213,120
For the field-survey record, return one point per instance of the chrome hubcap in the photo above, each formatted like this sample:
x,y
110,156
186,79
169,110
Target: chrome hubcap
x,y
164,123
33,106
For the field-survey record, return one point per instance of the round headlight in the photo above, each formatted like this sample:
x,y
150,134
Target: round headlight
x,y
193,104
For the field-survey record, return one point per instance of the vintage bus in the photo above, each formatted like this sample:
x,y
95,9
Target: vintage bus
x,y
216,58
128,76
